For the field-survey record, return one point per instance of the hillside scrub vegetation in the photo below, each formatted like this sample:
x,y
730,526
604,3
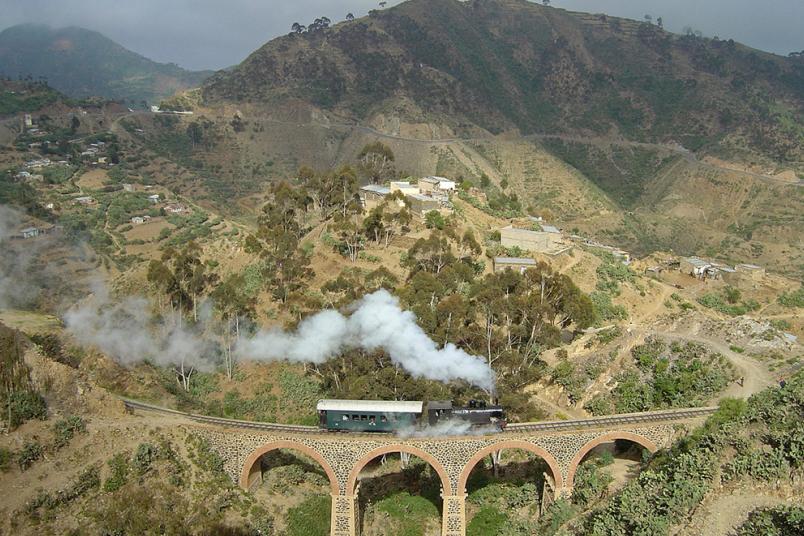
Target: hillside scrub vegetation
x,y
664,376
757,442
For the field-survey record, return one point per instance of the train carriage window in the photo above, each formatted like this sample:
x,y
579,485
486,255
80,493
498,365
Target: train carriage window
x,y
364,417
355,417
344,417
383,418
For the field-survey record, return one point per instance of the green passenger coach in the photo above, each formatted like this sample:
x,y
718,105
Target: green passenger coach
x,y
368,415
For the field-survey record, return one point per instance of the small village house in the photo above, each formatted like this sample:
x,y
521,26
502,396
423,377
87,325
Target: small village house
x,y
436,186
420,204
697,267
139,220
128,187
517,264
84,200
372,195
176,208
30,232
405,187
750,271
548,240
153,198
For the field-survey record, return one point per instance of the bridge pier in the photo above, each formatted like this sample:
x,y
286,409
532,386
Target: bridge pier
x,y
344,515
453,521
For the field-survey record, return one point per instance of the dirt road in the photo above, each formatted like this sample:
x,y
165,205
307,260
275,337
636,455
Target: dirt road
x,y
756,377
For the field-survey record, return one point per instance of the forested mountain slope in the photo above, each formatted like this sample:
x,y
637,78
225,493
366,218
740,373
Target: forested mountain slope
x,y
83,63
512,64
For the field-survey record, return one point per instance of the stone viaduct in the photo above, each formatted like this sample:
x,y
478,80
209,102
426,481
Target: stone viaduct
x,y
561,444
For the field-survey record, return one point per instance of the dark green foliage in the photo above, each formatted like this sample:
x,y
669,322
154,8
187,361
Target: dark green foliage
x,y
310,518
118,472
726,302
16,97
556,515
23,406
487,522
65,429
591,482
769,426
605,309
409,513
203,455
779,521
664,377
86,482
5,459
434,220
30,453
792,299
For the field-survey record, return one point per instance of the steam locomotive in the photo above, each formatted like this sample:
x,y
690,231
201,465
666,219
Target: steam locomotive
x,y
393,416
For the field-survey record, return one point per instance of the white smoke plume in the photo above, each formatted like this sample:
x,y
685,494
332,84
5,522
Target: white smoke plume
x,y
125,330
450,428
377,322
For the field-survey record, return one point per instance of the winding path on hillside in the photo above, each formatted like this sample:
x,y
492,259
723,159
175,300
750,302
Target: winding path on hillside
x,y
755,376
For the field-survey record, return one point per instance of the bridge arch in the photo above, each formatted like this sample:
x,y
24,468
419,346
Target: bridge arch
x,y
511,444
251,463
351,483
606,438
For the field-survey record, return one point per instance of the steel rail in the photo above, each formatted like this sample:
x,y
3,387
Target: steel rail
x,y
630,418
567,425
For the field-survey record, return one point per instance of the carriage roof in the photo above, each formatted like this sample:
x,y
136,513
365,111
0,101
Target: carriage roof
x,y
374,406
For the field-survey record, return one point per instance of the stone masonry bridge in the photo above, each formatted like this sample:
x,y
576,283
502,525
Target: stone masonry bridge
x,y
561,444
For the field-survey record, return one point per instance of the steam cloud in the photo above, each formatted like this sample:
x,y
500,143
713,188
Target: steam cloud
x,y
376,322
124,330
127,331
447,429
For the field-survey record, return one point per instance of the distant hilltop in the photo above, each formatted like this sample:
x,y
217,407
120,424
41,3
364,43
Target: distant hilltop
x,y
82,63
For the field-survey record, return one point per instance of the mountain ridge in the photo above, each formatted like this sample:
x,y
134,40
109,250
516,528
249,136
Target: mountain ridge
x,y
505,65
84,63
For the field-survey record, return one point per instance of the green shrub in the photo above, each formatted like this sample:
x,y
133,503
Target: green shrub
x,y
779,521
721,302
487,522
144,457
5,459
23,406
409,513
434,220
605,309
30,453
591,483
792,299
65,429
118,472
310,518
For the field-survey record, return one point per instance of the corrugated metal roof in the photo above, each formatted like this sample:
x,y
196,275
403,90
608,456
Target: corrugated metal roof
x,y
513,260
550,229
382,406
377,189
421,197
698,263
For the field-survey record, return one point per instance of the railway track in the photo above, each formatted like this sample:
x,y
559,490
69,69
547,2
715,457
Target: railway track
x,y
626,418
220,421
569,425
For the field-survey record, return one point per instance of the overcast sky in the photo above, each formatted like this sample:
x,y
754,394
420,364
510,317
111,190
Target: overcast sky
x,y
212,34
